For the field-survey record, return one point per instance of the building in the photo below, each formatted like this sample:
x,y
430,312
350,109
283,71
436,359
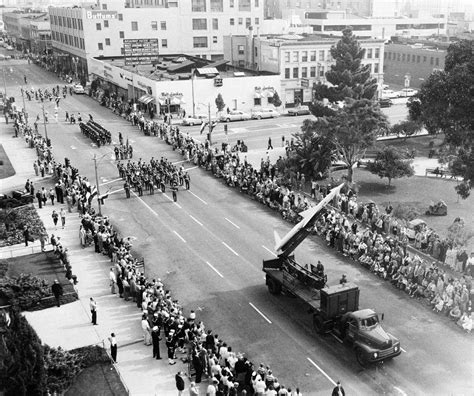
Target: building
x,y
180,83
19,27
40,37
194,27
334,22
300,60
410,65
275,9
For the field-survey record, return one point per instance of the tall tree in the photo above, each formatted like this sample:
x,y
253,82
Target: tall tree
x,y
391,164
276,101
220,104
347,76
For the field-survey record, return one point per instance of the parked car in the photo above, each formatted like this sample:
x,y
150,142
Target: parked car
x,y
9,48
385,102
264,113
5,57
300,110
189,120
235,115
389,94
17,198
407,92
78,89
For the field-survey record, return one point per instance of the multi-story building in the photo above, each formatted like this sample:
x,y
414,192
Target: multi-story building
x,y
300,61
411,64
19,26
334,22
182,83
194,27
276,9
40,37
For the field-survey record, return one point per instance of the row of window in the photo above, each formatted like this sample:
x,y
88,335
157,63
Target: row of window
x,y
72,23
291,73
434,61
218,5
68,39
201,23
294,56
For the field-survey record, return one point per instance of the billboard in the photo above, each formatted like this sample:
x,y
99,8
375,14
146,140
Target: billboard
x,y
140,51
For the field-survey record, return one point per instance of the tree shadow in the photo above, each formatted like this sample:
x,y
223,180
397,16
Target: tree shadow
x,y
366,188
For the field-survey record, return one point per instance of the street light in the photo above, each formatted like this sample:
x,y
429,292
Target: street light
x,y
209,125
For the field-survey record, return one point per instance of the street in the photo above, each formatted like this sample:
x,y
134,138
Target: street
x,y
208,248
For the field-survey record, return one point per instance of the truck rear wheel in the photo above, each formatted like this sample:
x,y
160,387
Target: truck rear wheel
x,y
318,324
273,286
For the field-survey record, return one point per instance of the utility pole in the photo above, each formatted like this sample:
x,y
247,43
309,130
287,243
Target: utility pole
x,y
192,90
209,123
97,184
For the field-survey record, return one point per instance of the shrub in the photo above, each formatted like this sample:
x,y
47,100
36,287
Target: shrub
x,y
24,291
61,368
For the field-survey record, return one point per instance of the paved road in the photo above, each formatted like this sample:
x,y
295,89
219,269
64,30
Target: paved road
x,y
209,247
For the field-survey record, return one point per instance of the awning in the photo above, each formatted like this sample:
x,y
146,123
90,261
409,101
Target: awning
x,y
145,99
257,95
173,101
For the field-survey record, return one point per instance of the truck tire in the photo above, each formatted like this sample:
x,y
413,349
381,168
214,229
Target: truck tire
x,y
318,324
274,287
360,356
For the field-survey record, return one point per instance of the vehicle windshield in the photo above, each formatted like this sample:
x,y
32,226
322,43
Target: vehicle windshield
x,y
369,322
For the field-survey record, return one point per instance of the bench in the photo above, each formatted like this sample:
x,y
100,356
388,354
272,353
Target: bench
x,y
439,172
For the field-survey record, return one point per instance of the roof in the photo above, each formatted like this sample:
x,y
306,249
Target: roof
x,y
363,313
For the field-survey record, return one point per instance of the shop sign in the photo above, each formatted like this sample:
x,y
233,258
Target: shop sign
x,y
304,83
218,82
166,94
101,14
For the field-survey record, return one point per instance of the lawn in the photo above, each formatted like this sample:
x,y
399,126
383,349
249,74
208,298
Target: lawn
x,y
43,265
104,378
6,168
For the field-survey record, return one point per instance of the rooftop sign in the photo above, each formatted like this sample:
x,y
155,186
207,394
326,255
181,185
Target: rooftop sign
x,y
101,14
140,51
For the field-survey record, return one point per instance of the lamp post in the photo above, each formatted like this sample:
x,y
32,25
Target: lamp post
x,y
97,180
209,125
44,123
192,91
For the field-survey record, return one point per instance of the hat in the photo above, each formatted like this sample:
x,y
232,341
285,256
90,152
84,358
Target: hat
x,y
155,328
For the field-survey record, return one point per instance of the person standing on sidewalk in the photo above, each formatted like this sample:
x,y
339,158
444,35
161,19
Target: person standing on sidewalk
x,y
43,240
113,347
146,330
113,280
155,338
57,291
93,307
26,235
55,217
179,382
62,213
51,196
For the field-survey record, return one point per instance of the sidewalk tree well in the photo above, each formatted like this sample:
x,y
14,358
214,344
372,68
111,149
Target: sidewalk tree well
x,y
220,104
347,77
391,163
22,369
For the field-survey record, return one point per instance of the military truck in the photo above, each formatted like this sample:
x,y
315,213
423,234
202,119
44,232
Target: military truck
x,y
17,198
335,308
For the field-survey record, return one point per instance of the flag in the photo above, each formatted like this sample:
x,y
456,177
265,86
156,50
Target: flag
x,y
213,125
92,194
203,126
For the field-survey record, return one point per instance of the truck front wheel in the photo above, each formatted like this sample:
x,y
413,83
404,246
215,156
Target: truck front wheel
x,y
273,286
360,356
318,324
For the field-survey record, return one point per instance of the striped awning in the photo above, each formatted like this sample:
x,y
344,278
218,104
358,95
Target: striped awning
x,y
145,99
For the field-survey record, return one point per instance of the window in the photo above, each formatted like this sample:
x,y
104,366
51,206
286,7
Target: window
x,y
418,59
312,56
241,49
304,56
232,22
100,46
287,73
241,63
437,61
413,58
287,56
257,101
231,3
134,26
154,25
98,26
107,41
424,59
369,53
257,3
121,34
217,5
403,57
304,72
164,43
83,46
76,42
241,21
376,68
198,5
248,22
120,17
321,55
431,61
122,51
398,57
106,23
312,71
296,56
296,72
200,42
163,25
244,5
79,21
214,39
377,53
200,24
215,23
104,6
257,21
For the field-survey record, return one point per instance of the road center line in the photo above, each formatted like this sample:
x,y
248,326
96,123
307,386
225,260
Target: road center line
x,y
228,247
217,272
144,203
196,220
110,181
202,200
115,191
269,251
179,162
179,236
171,199
193,167
260,312
322,371
235,225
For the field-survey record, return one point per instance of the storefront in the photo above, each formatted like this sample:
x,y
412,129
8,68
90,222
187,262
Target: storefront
x,y
171,102
263,96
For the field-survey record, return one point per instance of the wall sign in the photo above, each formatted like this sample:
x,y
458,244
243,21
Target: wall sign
x,y
101,15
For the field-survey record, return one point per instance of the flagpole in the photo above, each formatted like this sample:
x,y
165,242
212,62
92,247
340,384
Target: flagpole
x,y
209,124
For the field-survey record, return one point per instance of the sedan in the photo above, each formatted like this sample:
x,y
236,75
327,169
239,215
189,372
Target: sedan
x,y
406,92
264,113
385,102
196,120
235,115
300,110
78,89
9,48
